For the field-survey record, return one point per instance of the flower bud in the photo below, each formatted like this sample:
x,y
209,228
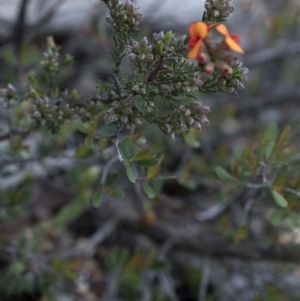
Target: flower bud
x,y
222,66
231,9
142,56
173,42
113,118
37,114
197,125
110,20
158,36
132,56
135,44
124,119
144,42
208,6
136,88
234,82
222,6
116,105
190,120
128,49
225,14
127,111
204,120
243,77
244,71
195,106
203,57
149,56
209,68
149,49
241,86
138,16
215,13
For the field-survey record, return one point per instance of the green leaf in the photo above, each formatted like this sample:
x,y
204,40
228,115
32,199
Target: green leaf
x,y
283,134
148,190
117,193
223,174
125,146
147,163
269,148
109,129
279,198
153,171
276,217
70,212
143,154
134,150
272,132
81,127
191,140
97,199
88,142
168,37
130,174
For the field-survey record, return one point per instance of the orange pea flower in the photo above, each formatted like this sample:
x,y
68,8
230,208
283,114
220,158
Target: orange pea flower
x,y
232,41
198,31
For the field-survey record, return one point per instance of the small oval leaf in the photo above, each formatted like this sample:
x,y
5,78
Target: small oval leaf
x,y
143,154
269,149
80,127
276,217
272,132
279,198
89,141
153,171
125,146
223,174
130,174
97,199
109,129
117,193
148,190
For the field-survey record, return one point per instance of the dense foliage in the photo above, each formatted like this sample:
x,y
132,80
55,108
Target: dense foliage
x,y
123,194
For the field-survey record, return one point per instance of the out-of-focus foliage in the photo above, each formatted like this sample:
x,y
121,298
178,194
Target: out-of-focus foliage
x,y
118,195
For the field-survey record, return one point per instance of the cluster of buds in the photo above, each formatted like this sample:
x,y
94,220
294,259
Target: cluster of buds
x,y
186,117
127,13
44,111
239,75
140,51
216,58
121,111
167,41
218,10
187,83
50,62
53,113
8,96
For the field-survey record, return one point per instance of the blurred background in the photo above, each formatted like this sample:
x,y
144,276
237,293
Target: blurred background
x,y
270,35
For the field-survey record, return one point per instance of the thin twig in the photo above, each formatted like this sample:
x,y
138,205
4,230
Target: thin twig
x,y
90,247
107,168
290,190
116,143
